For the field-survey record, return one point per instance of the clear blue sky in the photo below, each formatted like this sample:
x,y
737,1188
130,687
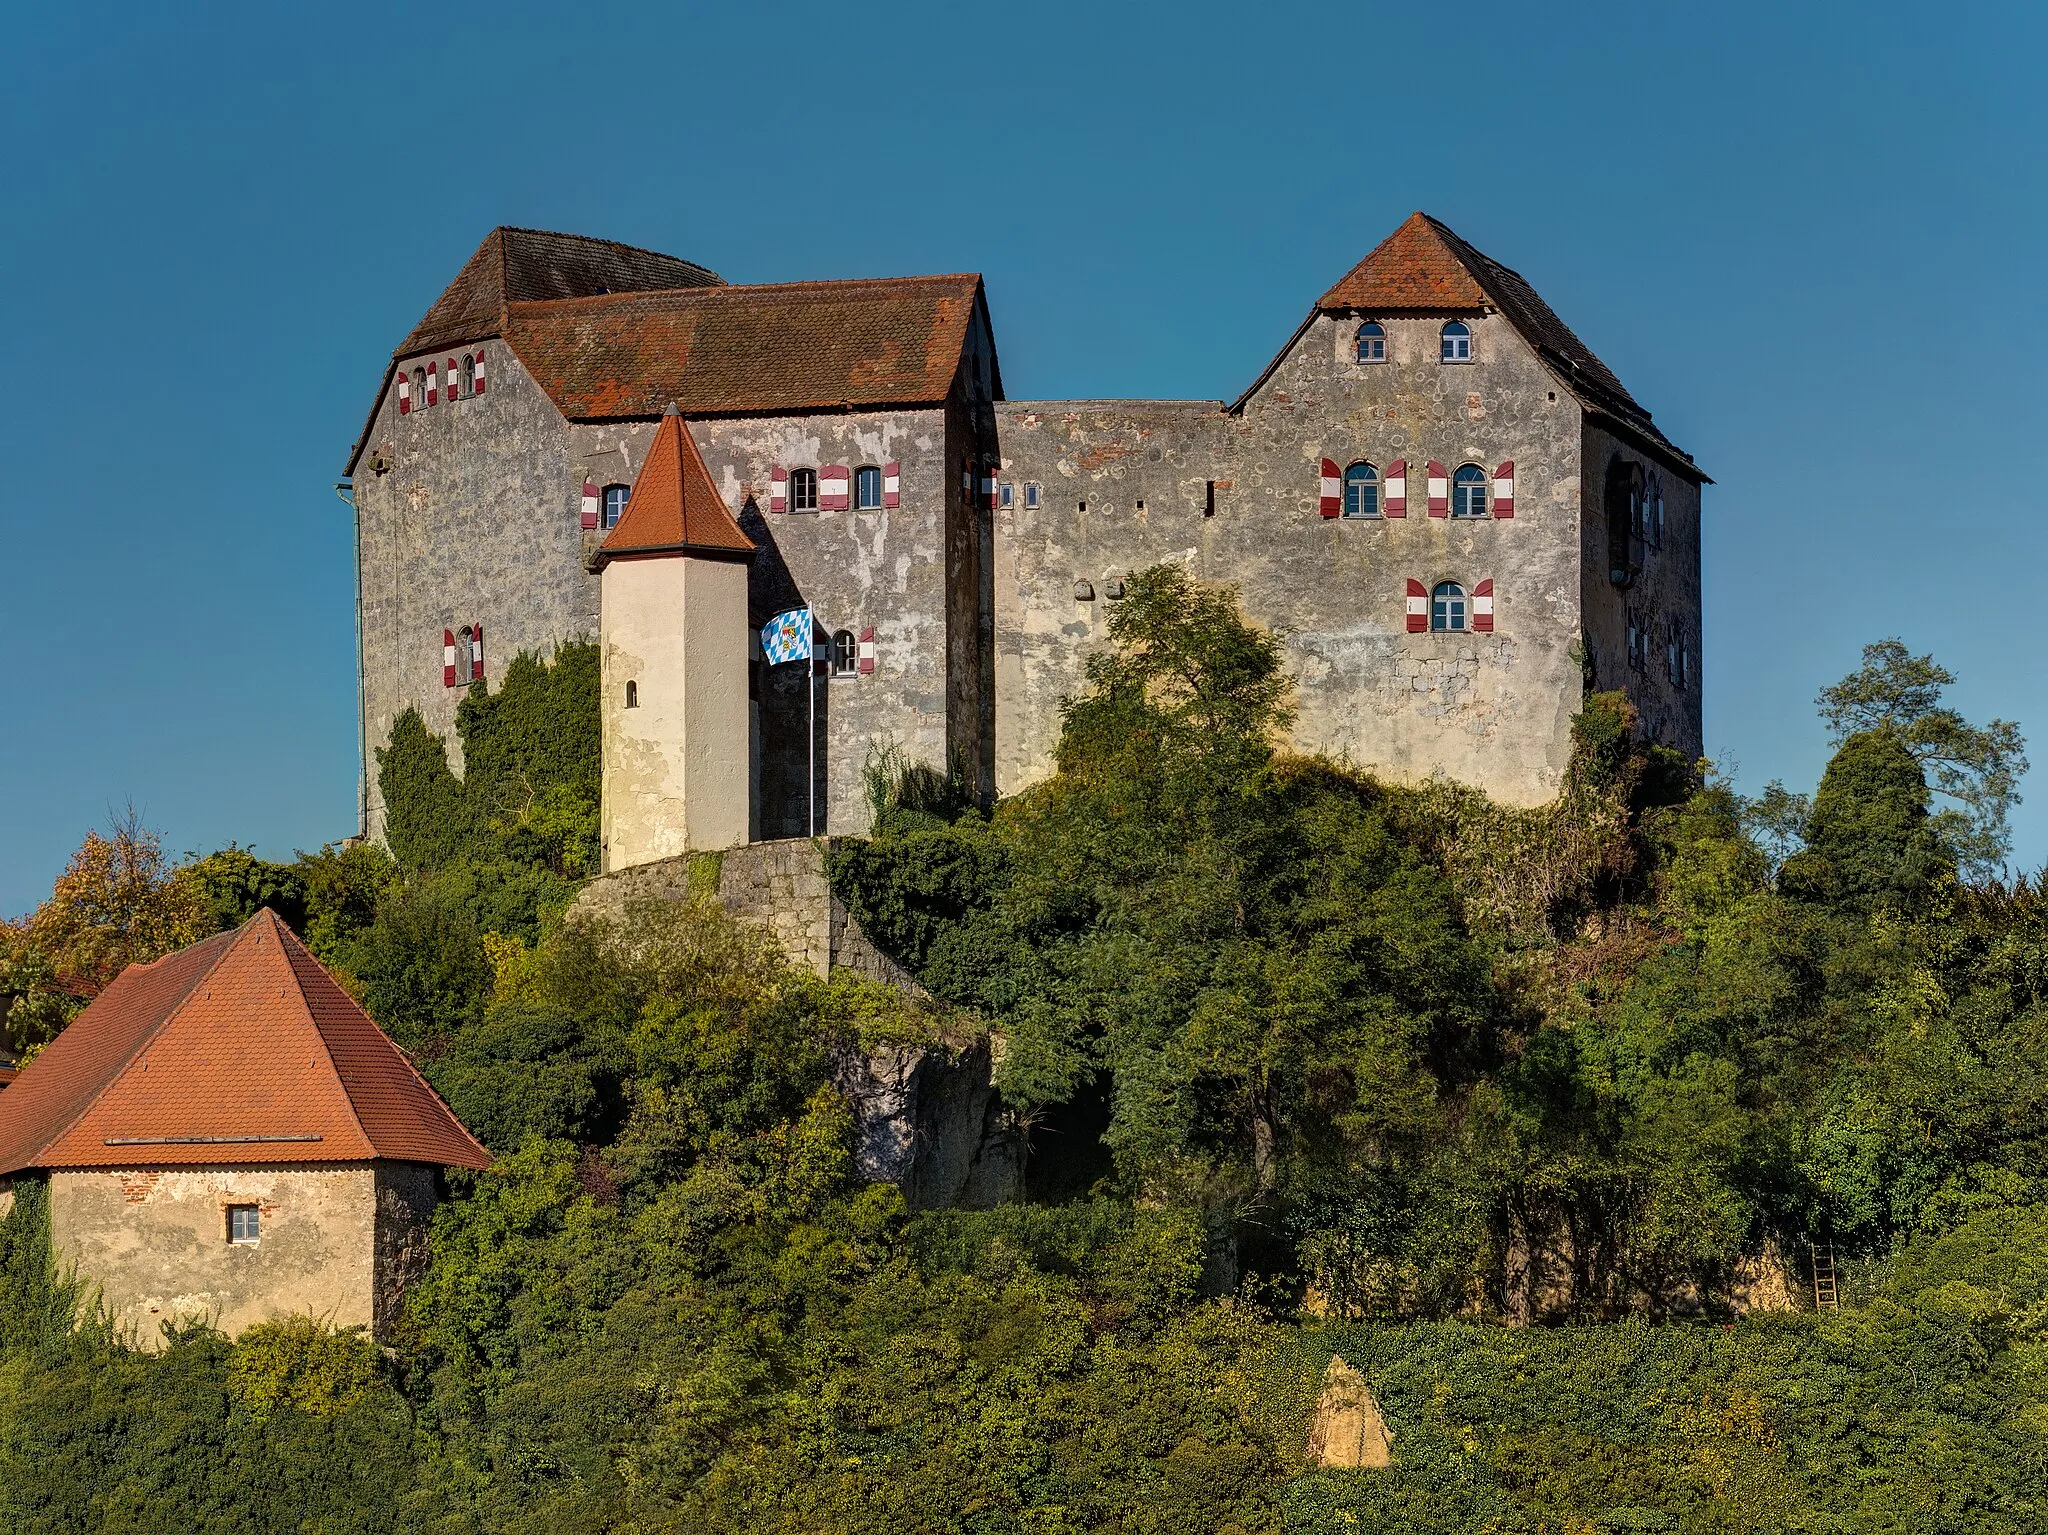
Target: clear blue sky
x,y
1809,237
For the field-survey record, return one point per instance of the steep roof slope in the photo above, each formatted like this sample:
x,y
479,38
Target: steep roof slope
x,y
675,506
515,266
238,1049
757,349
1425,267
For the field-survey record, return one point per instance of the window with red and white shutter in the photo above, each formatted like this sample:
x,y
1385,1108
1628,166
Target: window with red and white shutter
x,y
1504,490
1418,607
433,382
589,505
447,658
454,375
988,485
404,393
832,491
479,370
867,651
1394,502
778,489
1330,498
892,484
1439,490
476,654
1482,607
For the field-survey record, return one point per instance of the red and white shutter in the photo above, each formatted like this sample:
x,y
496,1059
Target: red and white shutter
x,y
454,375
1439,490
589,505
1418,607
433,383
404,393
1504,490
1330,501
967,484
778,489
476,654
1396,502
1482,607
832,495
892,484
479,370
867,651
988,485
447,658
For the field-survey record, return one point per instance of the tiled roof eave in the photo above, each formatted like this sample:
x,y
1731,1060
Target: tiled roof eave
x,y
605,556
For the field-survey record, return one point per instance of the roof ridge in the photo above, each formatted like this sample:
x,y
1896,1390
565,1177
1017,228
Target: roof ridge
x,y
143,1040
736,290
291,964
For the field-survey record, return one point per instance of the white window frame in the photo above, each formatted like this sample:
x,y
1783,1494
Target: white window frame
x,y
860,484
1358,339
1464,340
1458,605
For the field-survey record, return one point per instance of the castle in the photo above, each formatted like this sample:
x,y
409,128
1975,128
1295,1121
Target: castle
x,y
1450,510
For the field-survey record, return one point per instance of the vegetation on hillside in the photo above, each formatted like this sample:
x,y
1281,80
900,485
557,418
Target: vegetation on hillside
x,y
1306,1064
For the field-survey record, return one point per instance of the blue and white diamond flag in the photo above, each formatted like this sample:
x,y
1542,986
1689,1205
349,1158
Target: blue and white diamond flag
x,y
787,637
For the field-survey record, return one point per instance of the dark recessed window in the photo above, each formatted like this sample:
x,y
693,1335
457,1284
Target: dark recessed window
x,y
1361,491
1468,492
1031,495
468,373
1456,342
867,488
1449,613
844,657
1372,342
615,498
419,387
244,1224
803,490
632,695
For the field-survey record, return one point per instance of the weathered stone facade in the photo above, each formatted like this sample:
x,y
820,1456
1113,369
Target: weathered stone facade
x,y
336,1241
988,586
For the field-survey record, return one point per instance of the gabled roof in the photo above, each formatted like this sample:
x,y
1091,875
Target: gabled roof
x,y
238,1049
749,350
515,266
1424,267
675,507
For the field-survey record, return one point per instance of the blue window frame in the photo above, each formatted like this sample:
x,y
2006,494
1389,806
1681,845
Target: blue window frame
x,y
867,488
1372,342
615,504
1448,610
1457,342
1361,491
1468,491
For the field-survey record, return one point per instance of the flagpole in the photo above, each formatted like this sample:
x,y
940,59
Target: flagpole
x,y
811,695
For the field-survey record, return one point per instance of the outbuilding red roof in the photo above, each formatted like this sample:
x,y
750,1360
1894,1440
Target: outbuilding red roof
x,y
675,506
238,1049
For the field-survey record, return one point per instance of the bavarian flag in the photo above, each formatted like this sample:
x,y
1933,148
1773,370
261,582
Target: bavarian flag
x,y
787,637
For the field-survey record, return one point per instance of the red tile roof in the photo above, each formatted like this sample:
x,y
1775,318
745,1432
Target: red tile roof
x,y
1412,268
674,505
763,349
520,265
237,1049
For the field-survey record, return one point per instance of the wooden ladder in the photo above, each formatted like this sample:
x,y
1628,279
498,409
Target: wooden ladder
x,y
1827,1296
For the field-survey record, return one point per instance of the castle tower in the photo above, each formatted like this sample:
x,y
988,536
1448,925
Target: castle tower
x,y
676,645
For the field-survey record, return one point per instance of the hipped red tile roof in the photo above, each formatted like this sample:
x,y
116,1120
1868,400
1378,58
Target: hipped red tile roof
x,y
762,349
675,506
238,1049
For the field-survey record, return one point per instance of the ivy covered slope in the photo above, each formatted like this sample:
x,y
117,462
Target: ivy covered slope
x,y
1306,1065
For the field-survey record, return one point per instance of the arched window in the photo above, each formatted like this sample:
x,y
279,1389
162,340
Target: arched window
x,y
469,373
1468,491
419,387
1372,342
615,498
845,659
465,656
1653,512
632,695
1624,497
1449,613
867,488
803,490
1361,491
1457,342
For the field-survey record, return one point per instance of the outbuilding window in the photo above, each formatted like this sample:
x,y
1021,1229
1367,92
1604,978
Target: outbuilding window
x,y
1468,491
1372,342
1456,345
803,490
615,498
1449,612
244,1225
1361,491
867,488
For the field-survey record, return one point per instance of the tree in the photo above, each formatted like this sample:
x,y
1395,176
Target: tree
x,y
1870,842
1976,766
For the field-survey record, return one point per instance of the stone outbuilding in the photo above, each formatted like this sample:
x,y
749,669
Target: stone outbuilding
x,y
227,1136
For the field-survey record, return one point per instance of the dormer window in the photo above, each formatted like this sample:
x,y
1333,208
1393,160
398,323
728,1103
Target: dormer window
x,y
1457,342
615,497
1371,345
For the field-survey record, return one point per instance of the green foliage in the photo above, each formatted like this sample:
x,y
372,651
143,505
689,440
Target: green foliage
x,y
1869,843
298,1364
237,884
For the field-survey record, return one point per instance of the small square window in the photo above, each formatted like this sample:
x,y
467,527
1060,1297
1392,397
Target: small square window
x,y
1008,495
243,1224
